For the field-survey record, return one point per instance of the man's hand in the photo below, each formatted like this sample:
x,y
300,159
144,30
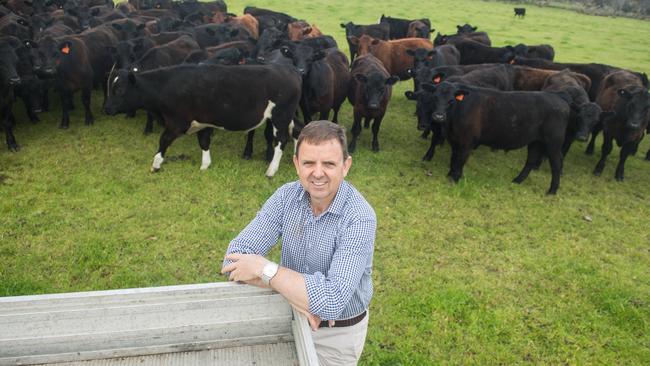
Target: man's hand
x,y
245,267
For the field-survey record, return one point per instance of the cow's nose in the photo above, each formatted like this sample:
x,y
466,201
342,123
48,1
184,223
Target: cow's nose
x,y
14,81
581,137
439,117
373,105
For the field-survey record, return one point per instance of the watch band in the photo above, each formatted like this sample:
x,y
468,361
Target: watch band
x,y
269,271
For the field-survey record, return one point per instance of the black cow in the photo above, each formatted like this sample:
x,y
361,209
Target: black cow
x,y
379,31
480,37
426,59
8,79
269,18
399,27
238,98
271,39
325,84
520,12
465,29
208,35
30,87
623,94
502,120
544,51
187,7
419,29
370,91
15,25
472,52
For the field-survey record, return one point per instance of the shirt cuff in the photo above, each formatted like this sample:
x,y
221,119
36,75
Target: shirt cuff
x,y
316,296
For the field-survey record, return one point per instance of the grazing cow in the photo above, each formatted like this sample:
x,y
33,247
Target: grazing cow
x,y
392,53
622,93
544,51
465,29
378,31
399,27
301,30
472,52
419,29
502,120
370,91
480,37
520,12
238,98
8,79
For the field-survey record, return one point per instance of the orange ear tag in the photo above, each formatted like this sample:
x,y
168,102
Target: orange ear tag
x,y
65,50
460,97
436,80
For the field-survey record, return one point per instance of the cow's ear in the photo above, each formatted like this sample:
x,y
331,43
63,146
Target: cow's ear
x,y
342,25
392,80
131,78
410,95
117,26
209,31
428,87
306,31
458,27
437,78
432,30
375,42
353,40
410,52
474,29
624,94
360,78
65,47
460,95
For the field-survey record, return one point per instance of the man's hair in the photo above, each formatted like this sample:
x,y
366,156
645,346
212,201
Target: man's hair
x,y
317,132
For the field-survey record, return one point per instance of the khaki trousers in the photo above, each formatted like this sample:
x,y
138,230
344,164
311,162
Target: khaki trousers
x,y
340,346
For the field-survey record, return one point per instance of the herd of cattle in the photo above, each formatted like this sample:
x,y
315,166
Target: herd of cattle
x,y
193,67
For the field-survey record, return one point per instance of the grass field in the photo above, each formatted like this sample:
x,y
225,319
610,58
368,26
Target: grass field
x,y
482,272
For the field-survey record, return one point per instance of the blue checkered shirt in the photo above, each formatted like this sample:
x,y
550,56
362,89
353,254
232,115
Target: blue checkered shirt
x,y
333,251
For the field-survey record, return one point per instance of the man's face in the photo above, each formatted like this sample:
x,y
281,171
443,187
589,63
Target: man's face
x,y
321,170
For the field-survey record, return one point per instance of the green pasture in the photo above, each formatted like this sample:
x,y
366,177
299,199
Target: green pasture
x,y
481,272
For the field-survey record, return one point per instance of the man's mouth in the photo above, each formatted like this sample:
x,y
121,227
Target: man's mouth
x,y
319,184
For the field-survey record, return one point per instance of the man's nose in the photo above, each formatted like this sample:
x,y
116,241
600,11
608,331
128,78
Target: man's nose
x,y
318,171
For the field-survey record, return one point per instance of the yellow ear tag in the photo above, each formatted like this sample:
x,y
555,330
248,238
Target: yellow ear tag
x,y
65,50
436,80
460,97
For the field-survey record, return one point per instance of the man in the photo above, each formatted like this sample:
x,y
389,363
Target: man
x,y
328,234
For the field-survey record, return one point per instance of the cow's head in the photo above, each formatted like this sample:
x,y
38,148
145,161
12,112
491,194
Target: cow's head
x,y
301,55
421,56
440,39
636,102
365,43
423,107
465,28
588,117
445,96
375,86
121,93
46,56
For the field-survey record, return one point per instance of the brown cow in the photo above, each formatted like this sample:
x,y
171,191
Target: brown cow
x,y
622,93
247,21
392,53
419,29
300,30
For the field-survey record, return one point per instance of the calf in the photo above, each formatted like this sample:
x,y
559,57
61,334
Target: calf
x,y
622,93
392,53
419,29
370,91
233,98
502,120
378,31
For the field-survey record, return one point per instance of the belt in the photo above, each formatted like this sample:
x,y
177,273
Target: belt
x,y
345,322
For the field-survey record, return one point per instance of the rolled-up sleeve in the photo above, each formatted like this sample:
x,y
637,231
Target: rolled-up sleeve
x,y
329,295
263,232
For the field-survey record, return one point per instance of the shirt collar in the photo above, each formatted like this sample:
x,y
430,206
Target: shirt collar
x,y
336,207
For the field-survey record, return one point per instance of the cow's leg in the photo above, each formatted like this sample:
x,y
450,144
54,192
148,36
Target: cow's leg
x,y
45,98
459,155
532,160
356,130
306,113
148,127
204,142
366,122
268,134
375,132
248,149
66,100
606,149
555,160
282,136
425,133
8,127
626,150
335,119
324,115
85,100
168,136
594,133
647,155
432,149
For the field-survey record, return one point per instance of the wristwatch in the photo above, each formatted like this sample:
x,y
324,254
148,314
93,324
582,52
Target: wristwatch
x,y
269,271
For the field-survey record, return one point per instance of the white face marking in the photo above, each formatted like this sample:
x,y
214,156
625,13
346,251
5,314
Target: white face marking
x,y
157,161
267,115
196,126
275,163
115,80
275,131
205,160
